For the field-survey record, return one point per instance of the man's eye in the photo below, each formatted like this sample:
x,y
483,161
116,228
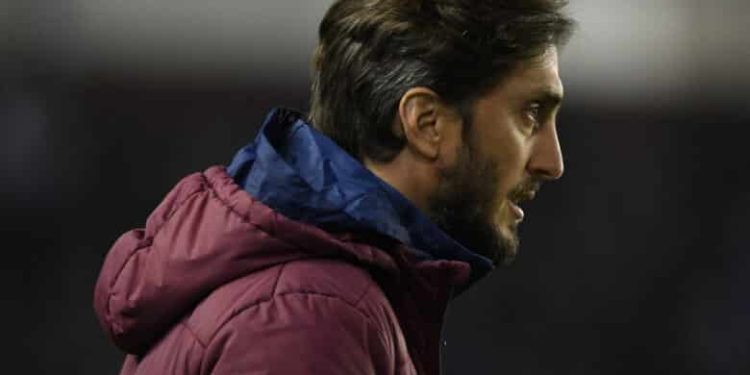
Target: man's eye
x,y
533,112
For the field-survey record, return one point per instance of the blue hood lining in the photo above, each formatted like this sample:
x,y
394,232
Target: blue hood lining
x,y
304,175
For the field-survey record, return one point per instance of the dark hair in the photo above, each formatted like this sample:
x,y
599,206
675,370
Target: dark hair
x,y
370,52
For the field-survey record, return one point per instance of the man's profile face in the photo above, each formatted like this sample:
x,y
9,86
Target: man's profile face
x,y
510,148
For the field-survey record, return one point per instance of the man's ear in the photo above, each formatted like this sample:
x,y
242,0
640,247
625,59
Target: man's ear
x,y
420,111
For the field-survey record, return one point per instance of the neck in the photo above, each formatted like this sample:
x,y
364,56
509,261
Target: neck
x,y
413,180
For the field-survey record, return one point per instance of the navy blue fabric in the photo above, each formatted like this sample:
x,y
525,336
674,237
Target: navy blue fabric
x,y
305,176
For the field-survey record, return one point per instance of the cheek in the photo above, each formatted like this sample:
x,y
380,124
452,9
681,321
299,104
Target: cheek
x,y
509,173
506,148
501,149
496,207
511,162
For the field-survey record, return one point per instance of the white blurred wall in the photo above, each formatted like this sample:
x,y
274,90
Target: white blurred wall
x,y
634,50
655,52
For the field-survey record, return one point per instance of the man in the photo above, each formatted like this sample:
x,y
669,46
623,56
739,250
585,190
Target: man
x,y
335,248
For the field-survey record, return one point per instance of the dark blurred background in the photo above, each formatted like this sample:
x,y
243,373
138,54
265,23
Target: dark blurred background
x,y
635,262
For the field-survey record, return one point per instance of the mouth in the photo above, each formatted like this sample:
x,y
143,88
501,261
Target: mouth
x,y
515,204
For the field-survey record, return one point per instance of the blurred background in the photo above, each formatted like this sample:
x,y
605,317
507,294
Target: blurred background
x,y
635,262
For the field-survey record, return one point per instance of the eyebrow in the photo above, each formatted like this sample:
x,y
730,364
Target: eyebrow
x,y
549,97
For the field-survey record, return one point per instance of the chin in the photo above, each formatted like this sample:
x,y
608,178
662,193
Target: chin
x,y
509,244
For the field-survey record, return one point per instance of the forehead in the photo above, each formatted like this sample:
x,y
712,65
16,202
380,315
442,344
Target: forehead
x,y
538,75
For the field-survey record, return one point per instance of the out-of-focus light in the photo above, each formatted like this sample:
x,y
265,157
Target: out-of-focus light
x,y
636,50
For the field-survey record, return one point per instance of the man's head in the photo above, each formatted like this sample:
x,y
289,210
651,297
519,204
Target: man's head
x,y
451,102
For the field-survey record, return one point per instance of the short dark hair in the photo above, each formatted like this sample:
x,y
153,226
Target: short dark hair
x,y
370,52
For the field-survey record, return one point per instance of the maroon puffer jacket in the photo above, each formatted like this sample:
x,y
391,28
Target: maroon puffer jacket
x,y
218,283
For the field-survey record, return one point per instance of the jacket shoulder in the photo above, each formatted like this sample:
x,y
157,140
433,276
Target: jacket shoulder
x,y
330,279
320,308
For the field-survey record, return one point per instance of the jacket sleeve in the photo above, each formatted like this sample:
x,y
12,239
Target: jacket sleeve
x,y
301,333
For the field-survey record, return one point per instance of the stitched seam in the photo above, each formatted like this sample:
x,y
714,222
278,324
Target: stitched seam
x,y
276,282
270,297
193,334
256,304
364,293
326,295
399,361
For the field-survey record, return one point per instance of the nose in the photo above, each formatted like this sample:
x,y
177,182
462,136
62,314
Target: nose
x,y
546,159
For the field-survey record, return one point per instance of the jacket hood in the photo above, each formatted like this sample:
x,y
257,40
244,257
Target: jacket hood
x,y
304,175
206,233
290,195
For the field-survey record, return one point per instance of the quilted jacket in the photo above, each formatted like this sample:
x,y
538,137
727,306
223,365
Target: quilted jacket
x,y
294,259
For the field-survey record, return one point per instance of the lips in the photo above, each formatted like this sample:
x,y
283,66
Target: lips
x,y
517,211
524,192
